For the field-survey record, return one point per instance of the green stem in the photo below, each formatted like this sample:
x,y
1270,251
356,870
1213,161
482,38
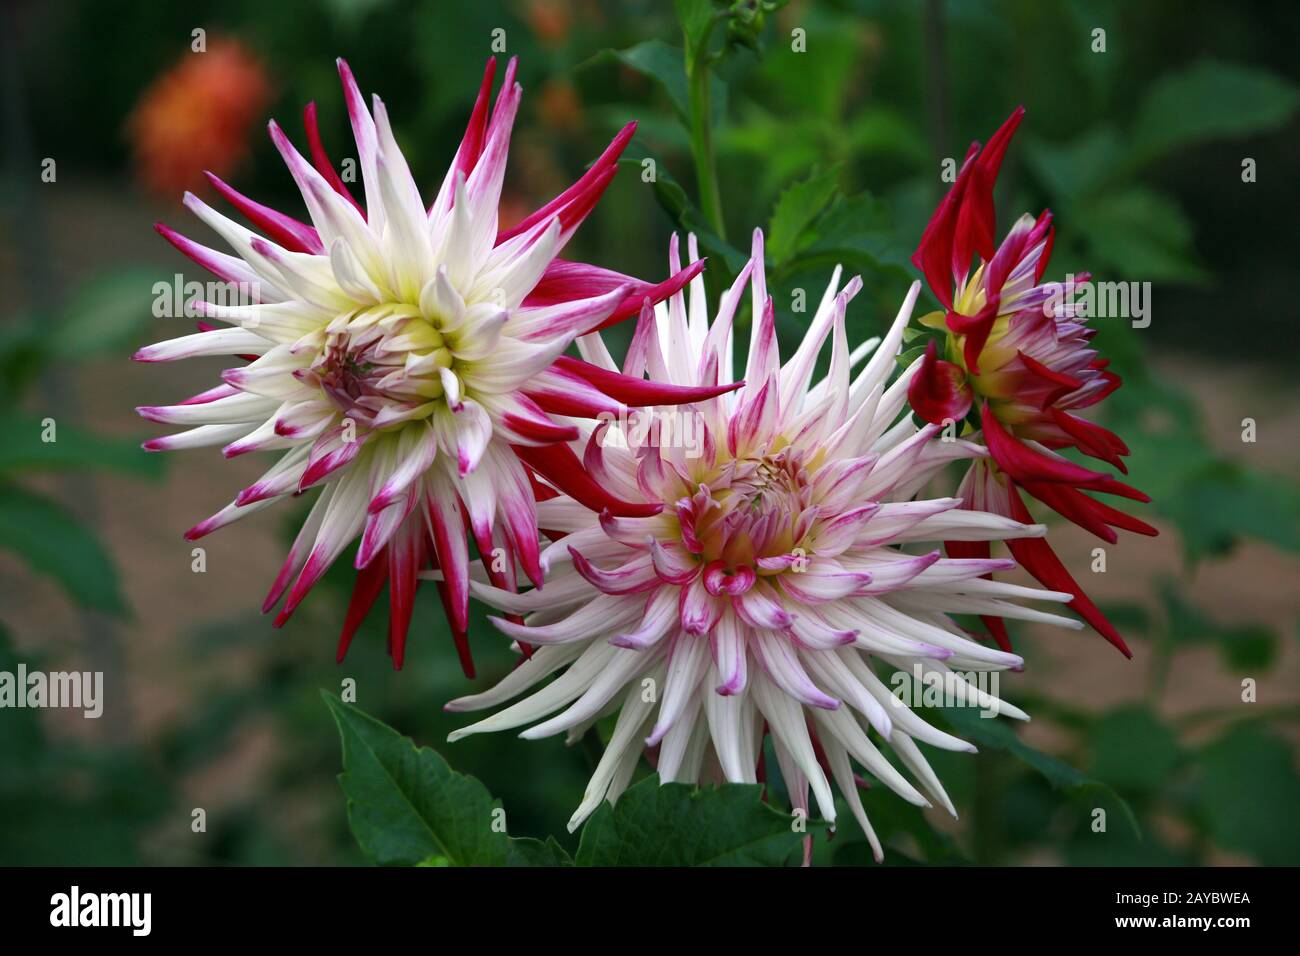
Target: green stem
x,y
706,169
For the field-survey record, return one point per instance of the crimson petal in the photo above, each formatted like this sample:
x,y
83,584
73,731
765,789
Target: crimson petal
x,y
559,465
639,392
939,391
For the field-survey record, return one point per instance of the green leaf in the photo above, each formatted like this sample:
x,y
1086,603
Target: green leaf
x,y
1133,750
905,359
407,807
1210,100
665,64
108,313
674,201
1079,167
1250,648
856,233
1247,792
525,851
695,17
677,825
1220,502
896,823
22,449
884,131
997,734
1141,235
812,83
796,208
55,543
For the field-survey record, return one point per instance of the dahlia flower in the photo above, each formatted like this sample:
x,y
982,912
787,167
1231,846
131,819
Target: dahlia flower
x,y
782,567
408,361
197,116
1014,345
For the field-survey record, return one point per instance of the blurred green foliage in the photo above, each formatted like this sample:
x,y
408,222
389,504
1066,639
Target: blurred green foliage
x,y
836,152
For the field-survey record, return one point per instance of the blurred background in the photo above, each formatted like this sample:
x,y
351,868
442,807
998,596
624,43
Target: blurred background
x,y
1140,150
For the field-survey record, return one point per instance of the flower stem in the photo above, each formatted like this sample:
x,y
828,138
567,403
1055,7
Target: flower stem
x,y
706,170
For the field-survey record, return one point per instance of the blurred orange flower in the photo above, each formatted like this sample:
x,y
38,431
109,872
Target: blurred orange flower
x,y
197,116
551,20
560,109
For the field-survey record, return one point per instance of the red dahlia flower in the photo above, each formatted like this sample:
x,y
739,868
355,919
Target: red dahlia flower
x,y
1020,350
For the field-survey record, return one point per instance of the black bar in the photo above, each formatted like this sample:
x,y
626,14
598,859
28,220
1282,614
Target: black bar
x,y
334,905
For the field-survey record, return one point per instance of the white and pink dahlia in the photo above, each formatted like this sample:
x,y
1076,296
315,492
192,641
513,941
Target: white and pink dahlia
x,y
791,571
403,356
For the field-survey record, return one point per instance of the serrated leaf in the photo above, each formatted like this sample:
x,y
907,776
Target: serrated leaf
x,y
55,543
525,851
676,825
407,807
796,208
